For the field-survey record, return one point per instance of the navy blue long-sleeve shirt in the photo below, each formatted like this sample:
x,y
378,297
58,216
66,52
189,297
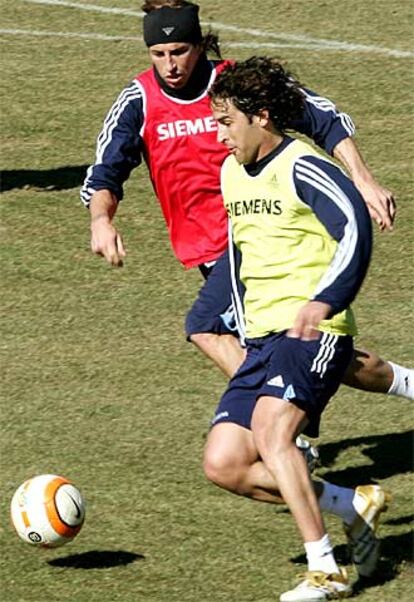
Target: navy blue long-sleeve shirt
x,y
120,147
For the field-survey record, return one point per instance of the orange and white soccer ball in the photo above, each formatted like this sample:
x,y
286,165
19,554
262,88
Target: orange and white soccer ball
x,y
47,511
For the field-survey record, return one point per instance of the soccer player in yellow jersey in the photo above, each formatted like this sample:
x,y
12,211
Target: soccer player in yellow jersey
x,y
304,235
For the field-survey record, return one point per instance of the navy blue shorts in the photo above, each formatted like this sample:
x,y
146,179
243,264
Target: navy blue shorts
x,y
213,311
306,373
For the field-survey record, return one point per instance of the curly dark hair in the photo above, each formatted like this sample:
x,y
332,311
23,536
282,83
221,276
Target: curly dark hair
x,y
261,83
210,41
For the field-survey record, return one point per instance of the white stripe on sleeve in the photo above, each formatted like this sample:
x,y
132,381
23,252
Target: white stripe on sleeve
x,y
316,177
324,104
112,119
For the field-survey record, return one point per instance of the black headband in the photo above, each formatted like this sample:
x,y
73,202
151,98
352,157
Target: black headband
x,y
166,24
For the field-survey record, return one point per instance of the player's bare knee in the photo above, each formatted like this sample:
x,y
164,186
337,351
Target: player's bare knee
x,y
216,468
223,472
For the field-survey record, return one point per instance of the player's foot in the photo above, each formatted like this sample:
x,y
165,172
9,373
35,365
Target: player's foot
x,y
311,453
369,501
319,586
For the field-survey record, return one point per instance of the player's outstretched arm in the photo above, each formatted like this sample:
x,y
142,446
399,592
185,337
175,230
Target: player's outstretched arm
x,y
105,239
380,201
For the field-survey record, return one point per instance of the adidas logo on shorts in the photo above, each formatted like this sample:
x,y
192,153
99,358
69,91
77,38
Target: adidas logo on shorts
x,y
276,381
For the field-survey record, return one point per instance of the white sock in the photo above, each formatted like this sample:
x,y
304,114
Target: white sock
x,y
320,556
403,383
338,500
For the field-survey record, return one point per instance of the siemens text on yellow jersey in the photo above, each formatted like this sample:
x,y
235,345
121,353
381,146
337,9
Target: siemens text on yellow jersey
x,y
254,207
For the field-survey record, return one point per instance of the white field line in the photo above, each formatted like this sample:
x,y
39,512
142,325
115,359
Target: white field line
x,y
139,40
92,7
67,34
285,40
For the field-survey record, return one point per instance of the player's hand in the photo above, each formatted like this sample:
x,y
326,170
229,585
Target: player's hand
x,y
308,319
380,202
106,241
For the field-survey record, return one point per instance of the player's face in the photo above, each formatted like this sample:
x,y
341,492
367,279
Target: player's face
x,y
175,62
243,136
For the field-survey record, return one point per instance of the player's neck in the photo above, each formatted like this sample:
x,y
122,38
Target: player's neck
x,y
196,85
270,145
253,169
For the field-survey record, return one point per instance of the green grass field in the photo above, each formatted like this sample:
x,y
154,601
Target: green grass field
x,y
98,383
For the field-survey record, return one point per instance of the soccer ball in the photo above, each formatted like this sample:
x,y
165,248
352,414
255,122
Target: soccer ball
x,y
47,511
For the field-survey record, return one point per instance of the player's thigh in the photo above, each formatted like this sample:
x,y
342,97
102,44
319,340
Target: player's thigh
x,y
276,423
229,447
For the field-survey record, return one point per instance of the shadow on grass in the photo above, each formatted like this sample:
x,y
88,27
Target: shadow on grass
x,y
96,559
401,520
389,454
395,549
61,178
